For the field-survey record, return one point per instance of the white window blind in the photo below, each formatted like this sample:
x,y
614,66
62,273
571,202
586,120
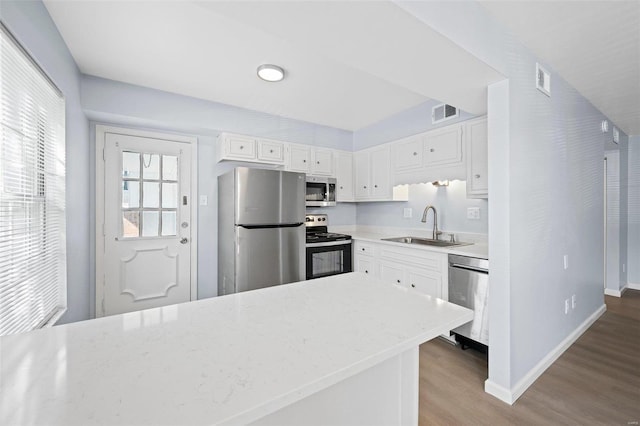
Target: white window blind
x,y
32,193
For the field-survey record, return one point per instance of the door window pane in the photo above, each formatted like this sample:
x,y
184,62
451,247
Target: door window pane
x,y
130,224
169,195
151,195
130,164
168,223
130,194
151,166
169,167
150,224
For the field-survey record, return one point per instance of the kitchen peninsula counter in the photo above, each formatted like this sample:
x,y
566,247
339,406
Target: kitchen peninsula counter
x,y
336,349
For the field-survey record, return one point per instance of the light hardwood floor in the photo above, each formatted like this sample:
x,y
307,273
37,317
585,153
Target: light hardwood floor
x,y
596,381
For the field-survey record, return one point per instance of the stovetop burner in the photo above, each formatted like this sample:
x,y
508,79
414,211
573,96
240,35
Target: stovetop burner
x,y
317,230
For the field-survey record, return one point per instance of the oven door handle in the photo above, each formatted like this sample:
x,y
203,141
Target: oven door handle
x,y
329,243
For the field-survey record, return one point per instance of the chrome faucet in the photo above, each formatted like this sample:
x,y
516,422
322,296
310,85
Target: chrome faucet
x,y
435,220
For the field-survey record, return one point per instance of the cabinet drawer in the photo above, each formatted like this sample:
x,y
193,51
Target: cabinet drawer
x,y
364,248
272,152
427,260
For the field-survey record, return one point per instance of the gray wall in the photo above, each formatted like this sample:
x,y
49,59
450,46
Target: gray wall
x,y
633,242
552,193
115,103
30,22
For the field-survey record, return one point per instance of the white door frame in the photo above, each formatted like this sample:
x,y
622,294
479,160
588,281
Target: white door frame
x,y
101,131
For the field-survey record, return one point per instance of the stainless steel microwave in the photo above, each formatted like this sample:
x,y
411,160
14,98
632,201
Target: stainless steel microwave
x,y
321,191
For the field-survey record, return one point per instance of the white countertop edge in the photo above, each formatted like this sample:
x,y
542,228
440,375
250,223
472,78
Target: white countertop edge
x,y
309,389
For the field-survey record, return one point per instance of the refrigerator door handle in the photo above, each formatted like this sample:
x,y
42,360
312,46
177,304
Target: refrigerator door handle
x,y
284,225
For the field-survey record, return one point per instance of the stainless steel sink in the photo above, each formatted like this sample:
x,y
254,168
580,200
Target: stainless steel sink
x,y
425,241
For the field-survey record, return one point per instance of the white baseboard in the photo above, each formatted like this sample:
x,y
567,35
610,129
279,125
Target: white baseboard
x,y
511,395
614,293
633,286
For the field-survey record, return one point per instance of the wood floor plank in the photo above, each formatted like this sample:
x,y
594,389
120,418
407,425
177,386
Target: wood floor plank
x,y
596,381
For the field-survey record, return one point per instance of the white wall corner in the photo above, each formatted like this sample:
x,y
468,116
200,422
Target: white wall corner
x,y
511,395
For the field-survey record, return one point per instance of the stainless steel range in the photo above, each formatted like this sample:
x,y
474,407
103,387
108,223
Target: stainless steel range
x,y
328,253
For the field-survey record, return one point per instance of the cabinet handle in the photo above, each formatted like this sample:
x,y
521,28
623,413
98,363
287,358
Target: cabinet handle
x,y
341,188
362,249
375,186
477,176
398,281
415,153
271,151
304,161
317,162
365,187
241,146
413,285
432,150
366,271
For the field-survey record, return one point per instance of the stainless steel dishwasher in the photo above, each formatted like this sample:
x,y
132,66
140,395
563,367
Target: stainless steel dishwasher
x,y
469,287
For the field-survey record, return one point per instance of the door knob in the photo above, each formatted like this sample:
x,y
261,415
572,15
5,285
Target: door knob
x,y
184,240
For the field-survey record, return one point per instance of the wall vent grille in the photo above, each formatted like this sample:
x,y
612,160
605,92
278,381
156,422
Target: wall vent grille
x,y
443,112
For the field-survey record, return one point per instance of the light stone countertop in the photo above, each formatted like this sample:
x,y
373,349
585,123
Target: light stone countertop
x,y
224,360
479,248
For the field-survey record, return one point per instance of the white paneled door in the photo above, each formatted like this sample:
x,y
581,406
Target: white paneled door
x,y
147,232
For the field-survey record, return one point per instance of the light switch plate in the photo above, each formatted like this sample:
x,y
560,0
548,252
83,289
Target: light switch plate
x,y
408,212
204,200
473,213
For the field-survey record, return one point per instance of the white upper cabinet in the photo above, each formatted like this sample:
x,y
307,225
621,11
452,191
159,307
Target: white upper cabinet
x,y
408,153
477,158
270,151
236,147
443,146
322,162
344,176
299,158
373,176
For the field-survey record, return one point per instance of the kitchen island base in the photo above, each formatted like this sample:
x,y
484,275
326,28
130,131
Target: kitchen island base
x,y
385,394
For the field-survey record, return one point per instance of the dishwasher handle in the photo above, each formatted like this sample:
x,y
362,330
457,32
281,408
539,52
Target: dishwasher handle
x,y
469,268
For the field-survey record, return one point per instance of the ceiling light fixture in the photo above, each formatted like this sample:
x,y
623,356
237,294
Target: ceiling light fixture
x,y
271,73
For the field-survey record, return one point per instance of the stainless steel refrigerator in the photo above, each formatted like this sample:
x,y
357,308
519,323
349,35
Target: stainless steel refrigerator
x,y
261,232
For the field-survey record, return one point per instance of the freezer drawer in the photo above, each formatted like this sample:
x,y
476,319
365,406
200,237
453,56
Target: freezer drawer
x,y
268,256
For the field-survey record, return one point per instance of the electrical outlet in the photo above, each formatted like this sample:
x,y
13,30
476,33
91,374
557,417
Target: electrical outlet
x,y
204,200
408,212
573,301
566,306
473,213
566,261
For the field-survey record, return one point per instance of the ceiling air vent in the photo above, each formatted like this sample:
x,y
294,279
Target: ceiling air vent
x,y
443,112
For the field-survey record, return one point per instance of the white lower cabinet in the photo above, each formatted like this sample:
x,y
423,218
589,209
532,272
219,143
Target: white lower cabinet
x,y
416,269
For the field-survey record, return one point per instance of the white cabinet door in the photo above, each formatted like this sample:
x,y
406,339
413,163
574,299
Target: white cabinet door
x,y
322,163
299,158
361,165
425,282
344,176
365,264
380,172
408,153
271,151
392,273
239,147
443,146
477,159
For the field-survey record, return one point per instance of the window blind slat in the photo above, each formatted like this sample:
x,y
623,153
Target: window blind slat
x,y
32,192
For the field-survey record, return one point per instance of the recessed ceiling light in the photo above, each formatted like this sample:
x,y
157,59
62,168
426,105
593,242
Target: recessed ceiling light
x,y
271,73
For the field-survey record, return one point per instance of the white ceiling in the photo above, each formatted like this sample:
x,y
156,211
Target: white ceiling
x,y
594,45
348,64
